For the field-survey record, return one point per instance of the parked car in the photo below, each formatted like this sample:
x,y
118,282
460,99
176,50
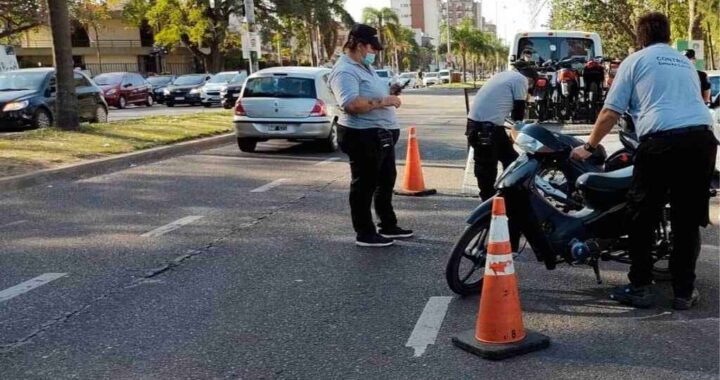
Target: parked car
x,y
231,92
185,89
159,82
431,78
286,103
714,78
210,92
387,75
121,89
27,98
410,77
444,76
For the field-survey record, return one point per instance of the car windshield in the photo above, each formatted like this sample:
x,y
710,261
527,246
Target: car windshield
x,y
222,78
542,48
279,87
444,72
431,75
19,80
159,81
108,79
382,74
407,75
189,80
714,85
239,78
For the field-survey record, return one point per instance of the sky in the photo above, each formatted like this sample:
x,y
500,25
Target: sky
x,y
513,15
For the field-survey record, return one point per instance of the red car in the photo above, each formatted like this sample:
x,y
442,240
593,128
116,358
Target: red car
x,y
121,89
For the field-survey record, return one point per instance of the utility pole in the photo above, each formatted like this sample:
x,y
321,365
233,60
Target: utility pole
x,y
250,21
447,21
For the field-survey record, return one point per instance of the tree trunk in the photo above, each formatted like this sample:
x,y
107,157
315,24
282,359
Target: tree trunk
x,y
97,47
66,104
691,19
397,62
313,55
464,66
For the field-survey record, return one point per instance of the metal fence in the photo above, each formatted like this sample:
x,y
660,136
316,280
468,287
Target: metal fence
x,y
101,43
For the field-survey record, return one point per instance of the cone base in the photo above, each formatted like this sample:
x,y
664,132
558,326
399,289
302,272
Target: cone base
x,y
534,341
421,193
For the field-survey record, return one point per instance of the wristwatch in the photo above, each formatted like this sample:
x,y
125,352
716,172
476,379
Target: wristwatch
x,y
589,147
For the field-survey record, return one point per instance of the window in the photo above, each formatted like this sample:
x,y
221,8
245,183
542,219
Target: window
x,y
80,80
280,87
714,85
108,79
138,80
564,47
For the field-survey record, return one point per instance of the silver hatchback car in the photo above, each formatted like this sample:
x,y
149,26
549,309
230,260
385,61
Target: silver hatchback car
x,y
293,103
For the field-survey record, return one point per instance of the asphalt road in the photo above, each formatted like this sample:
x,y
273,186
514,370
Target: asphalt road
x,y
197,268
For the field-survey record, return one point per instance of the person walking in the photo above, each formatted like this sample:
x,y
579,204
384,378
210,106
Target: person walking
x,y
705,86
503,95
367,132
674,161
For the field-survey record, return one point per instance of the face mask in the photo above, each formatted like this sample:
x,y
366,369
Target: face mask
x,y
369,59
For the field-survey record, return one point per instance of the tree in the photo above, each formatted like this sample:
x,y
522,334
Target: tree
x,y
92,14
19,16
66,104
386,21
462,38
195,24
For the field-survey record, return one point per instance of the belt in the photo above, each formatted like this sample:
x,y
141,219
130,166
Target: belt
x,y
675,132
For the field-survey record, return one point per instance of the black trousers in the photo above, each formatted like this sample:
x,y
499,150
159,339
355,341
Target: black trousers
x,y
372,165
677,169
491,145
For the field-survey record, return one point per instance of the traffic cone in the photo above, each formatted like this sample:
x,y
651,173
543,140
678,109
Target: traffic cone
x,y
413,181
499,331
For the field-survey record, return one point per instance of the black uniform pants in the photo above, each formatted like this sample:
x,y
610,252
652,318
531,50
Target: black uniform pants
x,y
372,165
677,169
491,144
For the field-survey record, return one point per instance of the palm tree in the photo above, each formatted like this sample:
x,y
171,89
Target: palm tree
x,y
387,23
463,37
66,104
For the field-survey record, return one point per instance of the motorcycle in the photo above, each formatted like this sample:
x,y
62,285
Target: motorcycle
x,y
593,77
568,78
593,232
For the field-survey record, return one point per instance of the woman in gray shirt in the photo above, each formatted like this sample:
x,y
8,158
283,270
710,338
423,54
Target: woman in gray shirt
x,y
367,133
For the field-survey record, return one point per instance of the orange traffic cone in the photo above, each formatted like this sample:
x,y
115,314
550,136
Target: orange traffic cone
x,y
413,181
499,331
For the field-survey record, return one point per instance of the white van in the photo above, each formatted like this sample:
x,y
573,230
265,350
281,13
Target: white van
x,y
556,45
8,60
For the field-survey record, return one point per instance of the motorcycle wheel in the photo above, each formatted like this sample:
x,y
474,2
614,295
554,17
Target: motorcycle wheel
x,y
466,267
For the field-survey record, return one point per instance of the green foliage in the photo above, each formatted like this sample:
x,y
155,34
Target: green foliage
x,y
18,16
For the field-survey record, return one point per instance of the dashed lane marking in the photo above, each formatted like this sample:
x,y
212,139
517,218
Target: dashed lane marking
x,y
428,325
329,160
15,223
269,186
29,285
172,226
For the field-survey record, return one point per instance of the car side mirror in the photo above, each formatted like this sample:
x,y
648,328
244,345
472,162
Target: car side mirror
x,y
126,85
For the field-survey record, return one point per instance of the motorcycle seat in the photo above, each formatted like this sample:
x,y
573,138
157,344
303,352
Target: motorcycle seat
x,y
617,180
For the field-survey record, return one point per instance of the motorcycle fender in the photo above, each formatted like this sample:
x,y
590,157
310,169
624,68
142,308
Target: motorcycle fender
x,y
480,211
518,173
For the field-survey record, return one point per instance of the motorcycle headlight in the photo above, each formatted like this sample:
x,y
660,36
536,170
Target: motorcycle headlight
x,y
529,144
111,92
16,106
166,92
195,91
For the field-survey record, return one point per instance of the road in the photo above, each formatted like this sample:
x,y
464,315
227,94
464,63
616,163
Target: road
x,y
227,265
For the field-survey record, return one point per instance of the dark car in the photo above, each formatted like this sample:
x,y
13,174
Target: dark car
x,y
185,89
122,89
27,98
159,83
230,93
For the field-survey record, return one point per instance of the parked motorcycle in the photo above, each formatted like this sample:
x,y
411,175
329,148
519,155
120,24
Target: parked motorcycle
x,y
568,78
593,77
596,231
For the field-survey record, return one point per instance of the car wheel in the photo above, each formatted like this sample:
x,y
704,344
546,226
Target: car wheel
x,y
149,101
207,105
170,104
42,118
101,114
227,105
330,144
246,145
122,103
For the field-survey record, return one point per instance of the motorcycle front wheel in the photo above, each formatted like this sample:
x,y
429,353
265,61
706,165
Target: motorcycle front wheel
x,y
466,267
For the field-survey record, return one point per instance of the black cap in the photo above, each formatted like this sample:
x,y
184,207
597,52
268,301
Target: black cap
x,y
529,72
366,34
690,53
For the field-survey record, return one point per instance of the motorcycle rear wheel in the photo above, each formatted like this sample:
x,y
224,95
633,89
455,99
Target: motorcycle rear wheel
x,y
466,267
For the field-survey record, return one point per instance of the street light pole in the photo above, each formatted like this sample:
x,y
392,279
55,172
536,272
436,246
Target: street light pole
x,y
447,23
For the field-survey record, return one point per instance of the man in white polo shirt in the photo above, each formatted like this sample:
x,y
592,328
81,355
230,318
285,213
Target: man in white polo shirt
x,y
660,89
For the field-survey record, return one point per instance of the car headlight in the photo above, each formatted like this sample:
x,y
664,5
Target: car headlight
x,y
166,92
111,92
16,106
195,91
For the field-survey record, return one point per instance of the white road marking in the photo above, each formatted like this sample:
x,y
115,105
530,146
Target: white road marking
x,y
15,223
329,160
269,186
29,285
428,325
172,226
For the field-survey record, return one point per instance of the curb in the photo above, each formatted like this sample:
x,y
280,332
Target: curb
x,y
111,164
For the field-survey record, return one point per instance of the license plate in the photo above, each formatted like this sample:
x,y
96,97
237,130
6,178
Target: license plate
x,y
179,98
278,128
